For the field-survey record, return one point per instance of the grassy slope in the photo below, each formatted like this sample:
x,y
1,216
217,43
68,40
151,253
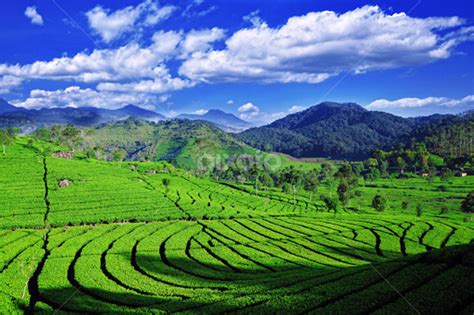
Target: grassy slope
x,y
230,250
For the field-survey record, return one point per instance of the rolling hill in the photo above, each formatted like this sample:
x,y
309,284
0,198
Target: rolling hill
x,y
331,130
182,142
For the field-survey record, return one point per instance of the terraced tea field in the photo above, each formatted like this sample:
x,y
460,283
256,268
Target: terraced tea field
x,y
117,240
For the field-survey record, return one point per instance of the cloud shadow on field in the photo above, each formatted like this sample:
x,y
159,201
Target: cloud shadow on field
x,y
201,288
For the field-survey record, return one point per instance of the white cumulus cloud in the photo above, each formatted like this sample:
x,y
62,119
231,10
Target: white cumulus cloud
x,y
411,102
111,25
8,82
248,107
200,112
315,46
75,96
129,62
412,106
33,15
200,40
295,109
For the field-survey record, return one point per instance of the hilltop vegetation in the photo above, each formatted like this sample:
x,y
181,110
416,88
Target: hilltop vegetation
x,y
447,136
330,130
184,143
348,131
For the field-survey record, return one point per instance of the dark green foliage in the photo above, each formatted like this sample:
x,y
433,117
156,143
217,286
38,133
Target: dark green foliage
x,y
442,188
7,137
343,192
379,203
467,204
446,135
330,203
330,130
68,135
166,182
444,210
419,211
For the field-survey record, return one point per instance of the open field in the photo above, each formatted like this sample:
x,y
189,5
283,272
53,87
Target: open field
x,y
117,240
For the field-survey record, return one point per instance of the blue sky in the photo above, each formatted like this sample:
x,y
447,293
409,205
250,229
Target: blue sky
x,y
258,59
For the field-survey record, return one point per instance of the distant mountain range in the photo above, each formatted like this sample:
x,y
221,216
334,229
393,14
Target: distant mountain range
x,y
30,119
332,130
225,121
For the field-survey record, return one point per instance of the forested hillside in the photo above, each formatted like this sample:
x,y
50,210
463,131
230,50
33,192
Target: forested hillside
x,y
348,131
447,136
182,142
330,130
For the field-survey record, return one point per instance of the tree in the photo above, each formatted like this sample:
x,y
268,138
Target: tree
x,y
311,183
286,188
255,174
383,166
266,180
70,135
343,192
446,174
327,171
119,155
345,172
379,203
166,182
372,163
5,139
372,174
330,203
444,210
419,210
401,164
431,174
293,178
467,204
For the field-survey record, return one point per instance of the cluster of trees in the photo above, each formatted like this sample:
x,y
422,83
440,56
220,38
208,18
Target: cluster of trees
x,y
290,179
7,137
342,181
448,136
61,135
416,160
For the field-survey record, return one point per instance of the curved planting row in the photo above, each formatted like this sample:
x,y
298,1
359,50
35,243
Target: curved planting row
x,y
253,265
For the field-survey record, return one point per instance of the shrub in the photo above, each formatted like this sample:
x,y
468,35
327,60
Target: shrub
x,y
419,211
444,210
379,203
330,203
467,204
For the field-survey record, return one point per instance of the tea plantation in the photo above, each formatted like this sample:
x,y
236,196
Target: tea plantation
x,y
83,236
